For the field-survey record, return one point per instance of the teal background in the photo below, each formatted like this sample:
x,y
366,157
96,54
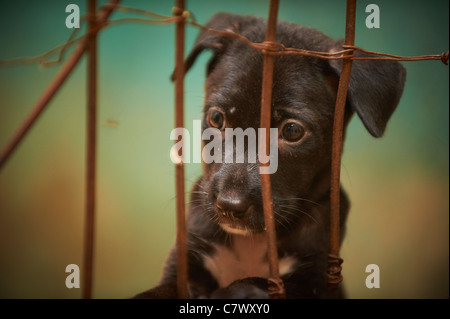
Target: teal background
x,y
398,184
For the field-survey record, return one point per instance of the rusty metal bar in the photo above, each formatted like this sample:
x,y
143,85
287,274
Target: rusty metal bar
x,y
181,238
334,262
276,287
51,89
91,144
280,49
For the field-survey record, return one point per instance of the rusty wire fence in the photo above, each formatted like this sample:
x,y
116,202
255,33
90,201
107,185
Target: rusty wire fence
x,y
98,19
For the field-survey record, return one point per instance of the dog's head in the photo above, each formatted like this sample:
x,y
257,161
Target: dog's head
x,y
303,100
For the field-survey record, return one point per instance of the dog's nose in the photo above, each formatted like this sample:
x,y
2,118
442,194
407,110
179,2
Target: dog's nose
x,y
235,205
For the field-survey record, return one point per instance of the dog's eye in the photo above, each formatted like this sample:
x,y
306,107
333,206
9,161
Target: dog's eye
x,y
292,132
216,119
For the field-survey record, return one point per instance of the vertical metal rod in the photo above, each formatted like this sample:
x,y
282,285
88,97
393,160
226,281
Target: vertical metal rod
x,y
51,90
91,142
276,287
334,266
181,238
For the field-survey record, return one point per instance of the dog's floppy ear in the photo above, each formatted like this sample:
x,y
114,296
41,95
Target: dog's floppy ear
x,y
374,91
207,40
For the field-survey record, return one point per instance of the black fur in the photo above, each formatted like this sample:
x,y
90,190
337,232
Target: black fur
x,y
304,90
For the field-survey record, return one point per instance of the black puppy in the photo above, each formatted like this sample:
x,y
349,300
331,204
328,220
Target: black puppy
x,y
226,238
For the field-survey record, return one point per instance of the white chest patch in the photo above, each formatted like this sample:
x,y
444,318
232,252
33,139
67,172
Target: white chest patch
x,y
246,257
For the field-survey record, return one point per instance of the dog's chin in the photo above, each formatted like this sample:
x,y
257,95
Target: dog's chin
x,y
240,229
236,230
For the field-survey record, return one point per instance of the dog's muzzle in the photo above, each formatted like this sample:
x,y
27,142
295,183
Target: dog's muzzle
x,y
235,214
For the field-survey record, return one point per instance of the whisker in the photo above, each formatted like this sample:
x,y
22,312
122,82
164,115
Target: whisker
x,y
197,192
292,210
300,199
278,213
290,207
199,206
280,221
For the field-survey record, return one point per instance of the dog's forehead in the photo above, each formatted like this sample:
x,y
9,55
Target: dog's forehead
x,y
236,87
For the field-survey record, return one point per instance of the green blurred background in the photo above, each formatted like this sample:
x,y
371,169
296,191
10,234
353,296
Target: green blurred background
x,y
398,185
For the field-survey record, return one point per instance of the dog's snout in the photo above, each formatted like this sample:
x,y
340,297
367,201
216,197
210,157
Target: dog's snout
x,y
234,205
